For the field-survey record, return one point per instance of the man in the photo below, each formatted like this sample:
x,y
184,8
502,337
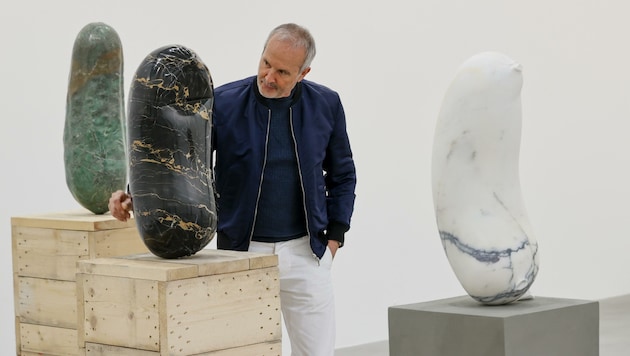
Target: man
x,y
285,181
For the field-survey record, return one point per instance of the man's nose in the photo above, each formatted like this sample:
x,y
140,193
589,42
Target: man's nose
x,y
270,76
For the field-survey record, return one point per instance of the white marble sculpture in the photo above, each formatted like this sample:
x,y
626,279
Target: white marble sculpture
x,y
477,197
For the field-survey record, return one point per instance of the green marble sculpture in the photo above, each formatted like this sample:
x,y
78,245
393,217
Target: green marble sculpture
x,y
94,132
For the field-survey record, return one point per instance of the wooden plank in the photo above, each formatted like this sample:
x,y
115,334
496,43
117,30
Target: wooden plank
x,y
207,261
149,266
47,253
211,261
72,220
17,335
216,262
14,258
47,302
80,287
80,352
256,260
118,242
240,308
16,299
121,311
272,348
48,340
263,261
92,349
164,317
143,266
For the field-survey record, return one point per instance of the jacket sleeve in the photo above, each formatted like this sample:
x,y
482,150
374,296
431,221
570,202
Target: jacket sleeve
x,y
340,177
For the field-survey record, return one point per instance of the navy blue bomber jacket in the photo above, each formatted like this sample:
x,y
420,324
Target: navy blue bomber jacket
x,y
326,166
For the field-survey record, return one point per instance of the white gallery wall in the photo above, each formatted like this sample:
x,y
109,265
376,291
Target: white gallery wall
x,y
391,61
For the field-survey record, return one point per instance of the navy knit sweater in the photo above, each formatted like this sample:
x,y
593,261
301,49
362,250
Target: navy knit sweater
x,y
280,214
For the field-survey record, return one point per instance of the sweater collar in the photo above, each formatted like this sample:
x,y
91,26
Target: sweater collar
x,y
293,98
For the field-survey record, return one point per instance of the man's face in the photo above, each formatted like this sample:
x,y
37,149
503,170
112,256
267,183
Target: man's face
x,y
279,68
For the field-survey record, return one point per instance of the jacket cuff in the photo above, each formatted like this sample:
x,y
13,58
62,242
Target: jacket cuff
x,y
336,231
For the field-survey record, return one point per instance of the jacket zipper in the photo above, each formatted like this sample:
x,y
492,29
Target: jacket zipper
x,y
297,158
262,175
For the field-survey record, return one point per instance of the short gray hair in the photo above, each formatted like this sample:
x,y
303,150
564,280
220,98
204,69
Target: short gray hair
x,y
300,37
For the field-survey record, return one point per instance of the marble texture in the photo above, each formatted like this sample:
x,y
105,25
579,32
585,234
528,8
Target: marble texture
x,y
93,138
480,214
169,127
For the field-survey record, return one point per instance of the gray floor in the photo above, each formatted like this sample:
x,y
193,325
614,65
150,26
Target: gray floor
x,y
614,326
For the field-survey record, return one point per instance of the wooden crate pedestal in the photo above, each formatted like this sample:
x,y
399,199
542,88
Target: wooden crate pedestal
x,y
46,249
212,303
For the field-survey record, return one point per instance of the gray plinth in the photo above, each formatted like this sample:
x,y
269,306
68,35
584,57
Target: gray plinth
x,y
462,327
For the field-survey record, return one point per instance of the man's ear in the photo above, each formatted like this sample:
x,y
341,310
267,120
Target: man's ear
x,y
304,73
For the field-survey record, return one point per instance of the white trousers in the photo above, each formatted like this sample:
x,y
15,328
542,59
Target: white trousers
x,y
306,296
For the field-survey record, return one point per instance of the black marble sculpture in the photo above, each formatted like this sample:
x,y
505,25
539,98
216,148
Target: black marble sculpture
x,y
93,138
169,127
